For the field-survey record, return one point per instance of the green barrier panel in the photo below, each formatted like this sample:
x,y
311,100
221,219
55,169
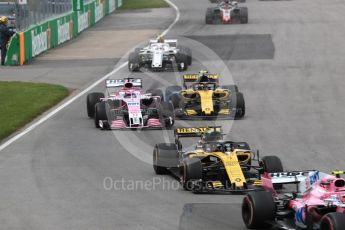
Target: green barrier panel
x,y
13,51
52,33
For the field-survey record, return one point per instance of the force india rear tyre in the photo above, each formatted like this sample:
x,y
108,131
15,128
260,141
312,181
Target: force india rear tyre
x,y
91,100
258,208
333,221
100,113
244,15
168,114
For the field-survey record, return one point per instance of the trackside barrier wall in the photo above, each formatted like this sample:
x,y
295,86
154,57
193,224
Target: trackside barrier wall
x,y
26,45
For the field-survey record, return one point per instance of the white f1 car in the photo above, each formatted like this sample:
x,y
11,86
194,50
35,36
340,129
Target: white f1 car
x,y
160,54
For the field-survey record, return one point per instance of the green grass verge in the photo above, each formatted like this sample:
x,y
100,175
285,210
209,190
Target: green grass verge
x,y
21,102
142,4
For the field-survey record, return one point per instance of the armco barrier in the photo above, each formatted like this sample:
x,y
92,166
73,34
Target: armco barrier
x,y
26,45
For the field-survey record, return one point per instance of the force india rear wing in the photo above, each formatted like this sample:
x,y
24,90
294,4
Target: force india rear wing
x,y
195,131
115,83
305,180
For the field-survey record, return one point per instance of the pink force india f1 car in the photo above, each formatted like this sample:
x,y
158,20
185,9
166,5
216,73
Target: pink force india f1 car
x,y
128,106
297,200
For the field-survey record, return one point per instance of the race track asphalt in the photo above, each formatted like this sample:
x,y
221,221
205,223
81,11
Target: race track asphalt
x,y
288,62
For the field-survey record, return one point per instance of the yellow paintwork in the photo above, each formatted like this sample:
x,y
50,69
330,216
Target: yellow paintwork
x,y
196,76
197,130
206,100
230,162
190,112
258,183
224,111
246,154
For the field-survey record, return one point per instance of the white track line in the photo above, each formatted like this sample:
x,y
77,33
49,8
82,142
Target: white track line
x,y
68,102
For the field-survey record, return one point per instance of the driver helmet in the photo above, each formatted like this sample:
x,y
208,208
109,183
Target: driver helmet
x,y
128,95
208,147
160,39
3,20
199,145
326,181
203,76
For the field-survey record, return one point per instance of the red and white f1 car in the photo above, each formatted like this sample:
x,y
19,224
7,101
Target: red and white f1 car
x,y
297,200
227,12
128,106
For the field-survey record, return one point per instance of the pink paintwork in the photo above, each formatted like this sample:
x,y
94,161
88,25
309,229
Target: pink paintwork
x,y
316,190
130,97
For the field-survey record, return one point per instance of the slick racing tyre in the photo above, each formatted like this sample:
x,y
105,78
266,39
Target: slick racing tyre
x,y
187,51
333,221
133,62
156,92
91,100
258,208
182,61
176,100
241,106
169,91
237,101
209,16
168,117
244,15
100,113
272,164
192,170
164,156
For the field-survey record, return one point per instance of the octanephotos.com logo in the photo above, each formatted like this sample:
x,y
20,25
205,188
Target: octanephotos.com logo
x,y
156,183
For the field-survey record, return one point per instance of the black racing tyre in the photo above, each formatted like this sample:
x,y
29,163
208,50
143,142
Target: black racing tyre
x,y
164,156
237,101
192,170
209,16
100,113
175,100
156,92
258,208
168,114
333,221
244,15
188,52
240,105
272,164
133,62
170,90
189,55
182,61
91,100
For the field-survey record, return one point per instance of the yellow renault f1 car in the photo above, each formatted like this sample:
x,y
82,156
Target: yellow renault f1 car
x,y
202,97
213,164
